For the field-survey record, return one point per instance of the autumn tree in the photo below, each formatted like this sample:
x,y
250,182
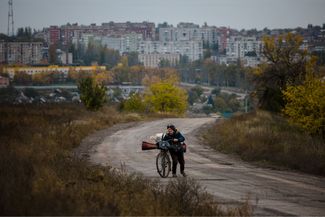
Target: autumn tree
x,y
92,94
306,105
103,77
135,103
285,65
166,97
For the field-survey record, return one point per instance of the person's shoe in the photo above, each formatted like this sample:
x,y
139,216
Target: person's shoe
x,y
174,176
184,174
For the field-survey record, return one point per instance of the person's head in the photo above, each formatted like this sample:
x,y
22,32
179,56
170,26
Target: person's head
x,y
171,129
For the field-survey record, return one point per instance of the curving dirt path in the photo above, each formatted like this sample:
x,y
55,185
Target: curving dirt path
x,y
230,180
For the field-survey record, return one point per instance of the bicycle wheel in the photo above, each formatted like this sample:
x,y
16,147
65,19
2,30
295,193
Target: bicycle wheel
x,y
163,164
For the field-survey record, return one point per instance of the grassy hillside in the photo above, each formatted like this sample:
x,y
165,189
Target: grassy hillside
x,y
40,176
268,139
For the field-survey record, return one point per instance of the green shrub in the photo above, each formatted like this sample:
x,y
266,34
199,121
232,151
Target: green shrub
x,y
92,94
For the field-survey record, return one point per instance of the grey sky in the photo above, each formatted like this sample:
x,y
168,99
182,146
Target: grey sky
x,y
237,14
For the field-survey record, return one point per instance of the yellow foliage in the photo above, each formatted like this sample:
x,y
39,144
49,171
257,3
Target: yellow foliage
x,y
306,104
166,97
148,80
124,61
103,77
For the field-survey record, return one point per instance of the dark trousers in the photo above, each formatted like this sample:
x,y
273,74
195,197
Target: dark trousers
x,y
177,157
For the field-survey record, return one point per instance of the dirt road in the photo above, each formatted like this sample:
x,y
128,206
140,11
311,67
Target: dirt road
x,y
229,180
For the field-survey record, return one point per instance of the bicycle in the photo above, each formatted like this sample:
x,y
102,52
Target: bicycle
x,y
163,162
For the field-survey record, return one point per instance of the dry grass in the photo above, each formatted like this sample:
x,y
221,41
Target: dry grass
x,y
39,175
270,140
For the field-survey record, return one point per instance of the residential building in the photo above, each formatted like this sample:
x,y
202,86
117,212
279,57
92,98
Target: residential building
x,y
189,33
224,33
21,52
66,58
130,42
153,60
54,35
112,42
43,69
124,44
192,49
238,46
72,33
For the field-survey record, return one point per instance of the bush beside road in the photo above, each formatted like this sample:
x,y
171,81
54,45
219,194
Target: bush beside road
x,y
269,140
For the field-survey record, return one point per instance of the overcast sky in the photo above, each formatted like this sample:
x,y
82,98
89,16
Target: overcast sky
x,y
236,14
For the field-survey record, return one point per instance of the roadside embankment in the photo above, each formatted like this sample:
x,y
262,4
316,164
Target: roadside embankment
x,y
268,140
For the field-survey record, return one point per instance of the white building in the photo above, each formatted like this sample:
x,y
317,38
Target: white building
x,y
66,58
152,60
239,47
82,39
205,34
112,42
124,44
130,42
192,49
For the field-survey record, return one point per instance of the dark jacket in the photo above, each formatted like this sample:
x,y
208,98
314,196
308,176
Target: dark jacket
x,y
175,146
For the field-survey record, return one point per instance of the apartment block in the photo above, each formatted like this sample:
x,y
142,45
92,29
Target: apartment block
x,y
124,44
189,33
239,47
21,52
192,49
153,60
54,35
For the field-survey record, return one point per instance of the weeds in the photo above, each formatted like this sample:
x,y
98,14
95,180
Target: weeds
x,y
39,175
268,138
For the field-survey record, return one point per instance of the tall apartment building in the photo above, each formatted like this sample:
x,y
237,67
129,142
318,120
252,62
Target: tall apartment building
x,y
189,33
146,29
247,50
153,60
223,33
54,35
124,44
239,47
112,42
130,42
21,52
192,49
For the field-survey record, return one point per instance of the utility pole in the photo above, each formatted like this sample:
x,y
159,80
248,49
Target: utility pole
x,y
10,19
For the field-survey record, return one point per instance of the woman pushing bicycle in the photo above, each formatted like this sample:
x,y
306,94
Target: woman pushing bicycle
x,y
176,150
